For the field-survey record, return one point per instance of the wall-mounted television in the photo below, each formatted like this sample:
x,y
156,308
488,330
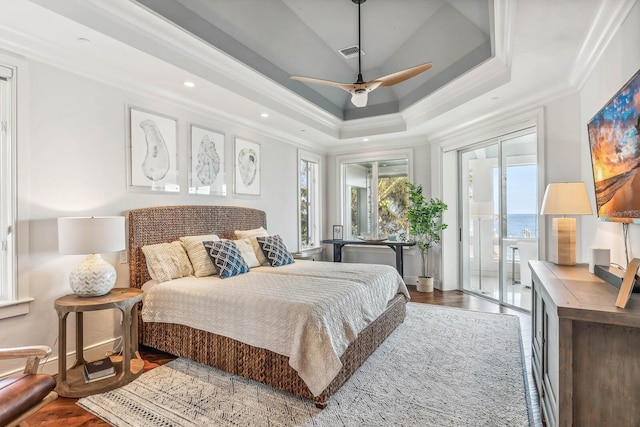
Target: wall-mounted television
x,y
614,141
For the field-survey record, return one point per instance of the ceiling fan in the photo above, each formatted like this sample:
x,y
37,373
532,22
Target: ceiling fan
x,y
360,89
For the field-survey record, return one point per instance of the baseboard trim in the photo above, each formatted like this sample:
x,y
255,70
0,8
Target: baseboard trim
x,y
92,352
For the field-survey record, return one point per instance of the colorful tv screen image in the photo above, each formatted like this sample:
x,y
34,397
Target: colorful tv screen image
x,y
615,154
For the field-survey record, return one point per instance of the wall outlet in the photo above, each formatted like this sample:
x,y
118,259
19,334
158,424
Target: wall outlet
x,y
124,257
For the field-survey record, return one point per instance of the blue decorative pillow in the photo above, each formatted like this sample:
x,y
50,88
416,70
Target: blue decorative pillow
x,y
226,258
275,250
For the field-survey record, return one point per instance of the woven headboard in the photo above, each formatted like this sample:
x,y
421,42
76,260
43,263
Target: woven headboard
x,y
162,224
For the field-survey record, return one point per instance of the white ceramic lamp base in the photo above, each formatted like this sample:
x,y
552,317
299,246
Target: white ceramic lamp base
x,y
93,277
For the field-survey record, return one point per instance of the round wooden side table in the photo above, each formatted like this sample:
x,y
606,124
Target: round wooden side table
x,y
70,382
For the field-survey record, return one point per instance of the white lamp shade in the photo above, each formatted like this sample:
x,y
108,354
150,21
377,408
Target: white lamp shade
x,y
91,235
481,210
566,198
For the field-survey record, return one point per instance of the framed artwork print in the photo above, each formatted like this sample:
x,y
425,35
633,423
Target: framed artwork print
x,y
247,167
152,151
337,232
206,155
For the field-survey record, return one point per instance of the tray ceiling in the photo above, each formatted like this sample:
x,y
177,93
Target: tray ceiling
x,y
279,38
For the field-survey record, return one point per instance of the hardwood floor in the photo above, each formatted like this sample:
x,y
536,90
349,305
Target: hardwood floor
x,y
65,411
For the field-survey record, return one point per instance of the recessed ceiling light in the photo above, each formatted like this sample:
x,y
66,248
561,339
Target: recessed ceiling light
x,y
189,84
84,40
365,139
264,115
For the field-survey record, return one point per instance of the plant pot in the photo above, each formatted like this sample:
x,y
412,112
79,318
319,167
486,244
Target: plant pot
x,y
425,284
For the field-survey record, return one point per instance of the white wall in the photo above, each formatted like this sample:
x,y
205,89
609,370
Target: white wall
x,y
76,165
614,68
563,145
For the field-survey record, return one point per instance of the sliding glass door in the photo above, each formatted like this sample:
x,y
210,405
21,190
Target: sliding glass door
x,y
499,217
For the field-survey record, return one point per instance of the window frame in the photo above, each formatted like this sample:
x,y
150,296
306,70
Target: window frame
x,y
311,158
378,156
14,233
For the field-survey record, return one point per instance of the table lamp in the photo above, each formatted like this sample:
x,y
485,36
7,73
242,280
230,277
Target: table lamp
x,y
91,235
565,198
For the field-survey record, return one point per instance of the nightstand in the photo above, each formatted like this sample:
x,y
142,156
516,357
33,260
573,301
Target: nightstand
x,y
70,382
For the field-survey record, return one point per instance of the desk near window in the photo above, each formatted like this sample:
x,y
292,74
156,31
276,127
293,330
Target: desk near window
x,y
395,245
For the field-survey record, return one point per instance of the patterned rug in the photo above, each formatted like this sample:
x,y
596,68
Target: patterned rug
x,y
441,367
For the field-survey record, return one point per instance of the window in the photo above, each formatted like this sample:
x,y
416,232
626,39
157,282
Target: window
x,y
522,209
308,200
7,291
375,194
13,302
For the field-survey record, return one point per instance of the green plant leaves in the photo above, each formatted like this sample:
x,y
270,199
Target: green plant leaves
x,y
425,220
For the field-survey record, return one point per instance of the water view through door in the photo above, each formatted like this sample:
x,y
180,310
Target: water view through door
x,y
499,218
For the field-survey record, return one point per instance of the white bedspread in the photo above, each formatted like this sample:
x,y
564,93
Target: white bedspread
x,y
308,311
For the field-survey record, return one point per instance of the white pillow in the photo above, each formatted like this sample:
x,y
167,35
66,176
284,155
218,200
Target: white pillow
x,y
167,261
198,255
252,234
248,253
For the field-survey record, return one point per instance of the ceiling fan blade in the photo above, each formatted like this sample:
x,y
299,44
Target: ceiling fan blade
x,y
344,86
403,75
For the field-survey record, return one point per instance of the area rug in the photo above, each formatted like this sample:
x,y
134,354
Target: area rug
x,y
441,367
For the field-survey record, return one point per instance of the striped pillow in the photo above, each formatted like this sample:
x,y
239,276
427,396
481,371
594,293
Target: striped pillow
x,y
251,235
198,255
167,261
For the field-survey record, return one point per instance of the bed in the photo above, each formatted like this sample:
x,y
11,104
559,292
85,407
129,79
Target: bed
x,y
165,224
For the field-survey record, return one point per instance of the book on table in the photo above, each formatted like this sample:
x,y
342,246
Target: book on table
x,y
98,369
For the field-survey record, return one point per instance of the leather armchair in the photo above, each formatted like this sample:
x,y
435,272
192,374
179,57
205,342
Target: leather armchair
x,y
22,395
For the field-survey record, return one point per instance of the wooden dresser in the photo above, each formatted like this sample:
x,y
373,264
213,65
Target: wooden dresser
x,y
585,350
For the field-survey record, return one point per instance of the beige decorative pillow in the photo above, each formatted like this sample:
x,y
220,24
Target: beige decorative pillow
x,y
167,261
198,255
248,253
252,234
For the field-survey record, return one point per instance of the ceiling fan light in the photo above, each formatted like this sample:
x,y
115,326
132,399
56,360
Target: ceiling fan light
x,y
359,99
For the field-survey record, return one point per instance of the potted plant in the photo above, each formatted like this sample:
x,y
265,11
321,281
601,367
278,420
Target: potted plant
x,y
425,224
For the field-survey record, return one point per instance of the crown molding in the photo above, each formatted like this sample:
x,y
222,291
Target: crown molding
x,y
504,13
241,79
481,79
132,24
606,23
517,114
163,39
136,26
24,44
368,126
